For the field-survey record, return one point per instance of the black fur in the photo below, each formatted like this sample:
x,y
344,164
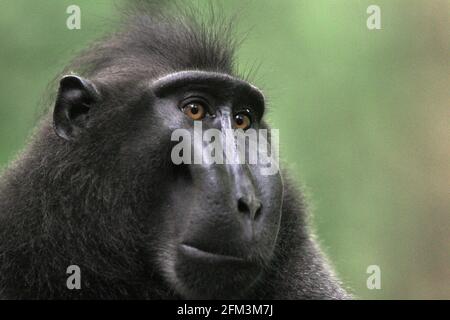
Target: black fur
x,y
87,202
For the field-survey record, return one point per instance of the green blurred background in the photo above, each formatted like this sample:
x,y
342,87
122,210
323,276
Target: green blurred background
x,y
363,116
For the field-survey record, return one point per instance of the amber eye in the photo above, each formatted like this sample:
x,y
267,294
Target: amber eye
x,y
194,110
242,121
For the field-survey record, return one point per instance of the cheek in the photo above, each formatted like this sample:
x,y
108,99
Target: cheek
x,y
168,116
147,146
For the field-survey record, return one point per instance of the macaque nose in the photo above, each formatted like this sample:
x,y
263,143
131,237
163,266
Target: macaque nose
x,y
249,206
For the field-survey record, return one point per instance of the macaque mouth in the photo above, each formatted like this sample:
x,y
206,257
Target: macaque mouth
x,y
196,253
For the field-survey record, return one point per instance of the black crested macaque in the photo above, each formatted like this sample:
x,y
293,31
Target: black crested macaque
x,y
97,188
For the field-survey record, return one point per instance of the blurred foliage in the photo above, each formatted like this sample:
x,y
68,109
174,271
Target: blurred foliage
x,y
363,118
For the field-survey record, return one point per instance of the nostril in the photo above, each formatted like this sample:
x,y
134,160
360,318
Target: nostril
x,y
258,210
249,206
243,205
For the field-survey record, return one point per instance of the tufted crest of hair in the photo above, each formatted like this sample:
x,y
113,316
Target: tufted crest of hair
x,y
158,38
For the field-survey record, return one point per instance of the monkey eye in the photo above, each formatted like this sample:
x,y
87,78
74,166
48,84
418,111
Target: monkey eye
x,y
242,120
194,110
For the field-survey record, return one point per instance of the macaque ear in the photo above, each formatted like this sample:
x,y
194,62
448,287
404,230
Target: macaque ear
x,y
75,97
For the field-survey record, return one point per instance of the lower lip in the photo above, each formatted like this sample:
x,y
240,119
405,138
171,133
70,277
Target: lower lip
x,y
208,256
